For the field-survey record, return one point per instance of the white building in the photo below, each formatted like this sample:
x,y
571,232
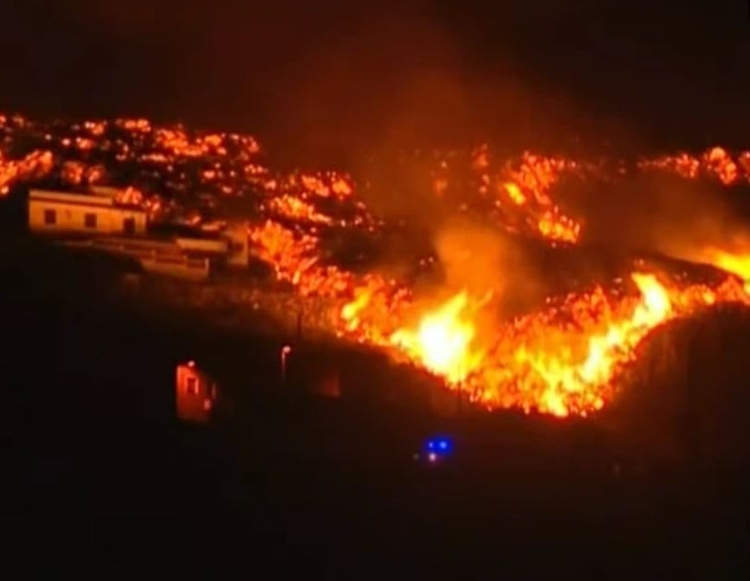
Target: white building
x,y
59,212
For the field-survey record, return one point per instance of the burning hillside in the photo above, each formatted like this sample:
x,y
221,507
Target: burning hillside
x,y
563,356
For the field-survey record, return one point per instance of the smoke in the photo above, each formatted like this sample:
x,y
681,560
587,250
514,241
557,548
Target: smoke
x,y
345,89
480,260
669,214
406,76
320,79
471,257
321,83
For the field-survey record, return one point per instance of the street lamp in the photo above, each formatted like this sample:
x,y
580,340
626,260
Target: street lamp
x,y
285,351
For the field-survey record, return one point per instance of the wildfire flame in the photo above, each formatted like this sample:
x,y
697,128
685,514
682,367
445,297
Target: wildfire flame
x,y
738,264
538,364
564,359
442,340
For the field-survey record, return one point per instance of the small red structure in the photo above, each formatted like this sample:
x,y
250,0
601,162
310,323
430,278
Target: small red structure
x,y
196,394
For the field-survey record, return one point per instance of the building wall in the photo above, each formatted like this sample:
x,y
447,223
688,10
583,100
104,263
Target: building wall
x,y
154,256
71,217
238,254
195,269
195,394
202,245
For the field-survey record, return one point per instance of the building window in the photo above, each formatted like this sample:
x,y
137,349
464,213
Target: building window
x,y
50,217
191,386
128,226
89,220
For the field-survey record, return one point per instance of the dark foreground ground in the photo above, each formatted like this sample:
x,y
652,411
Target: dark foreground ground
x,y
101,479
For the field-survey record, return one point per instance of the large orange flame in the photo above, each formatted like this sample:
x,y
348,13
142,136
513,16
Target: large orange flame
x,y
442,341
538,365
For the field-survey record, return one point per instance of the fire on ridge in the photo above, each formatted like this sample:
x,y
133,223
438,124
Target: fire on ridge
x,y
562,359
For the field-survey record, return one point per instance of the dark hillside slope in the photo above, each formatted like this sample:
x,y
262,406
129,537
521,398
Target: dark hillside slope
x,y
100,471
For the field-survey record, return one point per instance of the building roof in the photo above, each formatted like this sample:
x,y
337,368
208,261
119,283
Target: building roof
x,y
78,199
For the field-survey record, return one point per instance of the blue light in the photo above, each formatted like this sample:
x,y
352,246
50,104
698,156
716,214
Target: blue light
x,y
440,445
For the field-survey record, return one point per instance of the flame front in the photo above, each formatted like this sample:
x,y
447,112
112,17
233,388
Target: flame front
x,y
537,363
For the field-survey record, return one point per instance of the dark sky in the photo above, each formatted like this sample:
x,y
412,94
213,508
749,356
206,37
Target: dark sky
x,y
328,74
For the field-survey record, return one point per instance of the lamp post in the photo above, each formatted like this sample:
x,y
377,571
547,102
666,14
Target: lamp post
x,y
285,351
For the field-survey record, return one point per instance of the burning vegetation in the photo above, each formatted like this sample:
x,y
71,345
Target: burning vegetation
x,y
493,325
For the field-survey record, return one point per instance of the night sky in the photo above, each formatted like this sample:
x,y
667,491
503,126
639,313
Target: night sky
x,y
327,76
